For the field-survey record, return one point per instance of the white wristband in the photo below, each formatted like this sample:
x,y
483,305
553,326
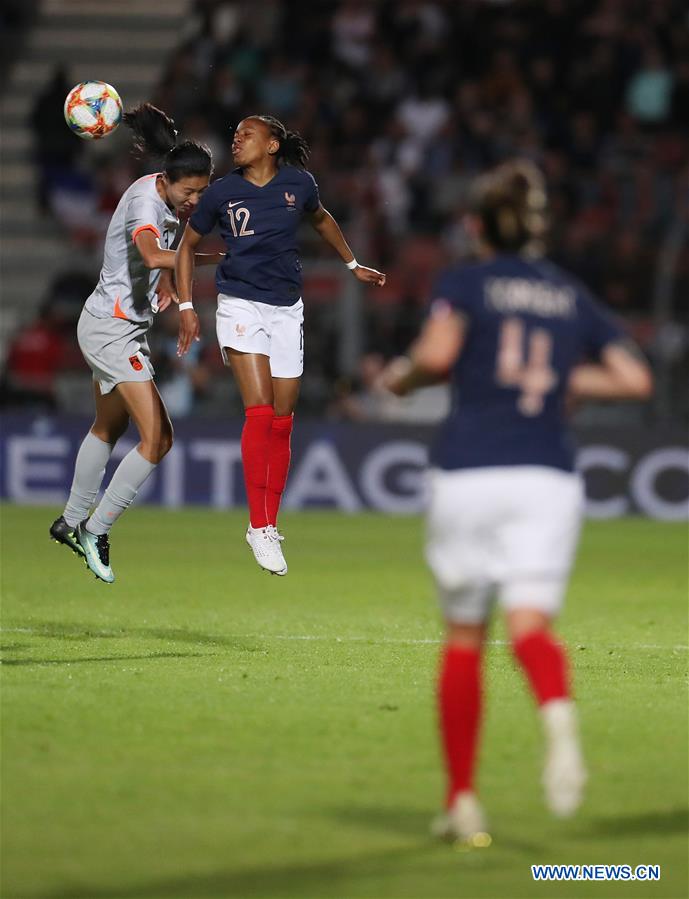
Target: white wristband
x,y
183,306
352,265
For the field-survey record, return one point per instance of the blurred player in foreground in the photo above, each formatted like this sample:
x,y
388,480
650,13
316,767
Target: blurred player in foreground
x,y
260,318
514,333
112,335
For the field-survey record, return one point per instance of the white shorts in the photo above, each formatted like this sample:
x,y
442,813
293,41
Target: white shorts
x,y
273,331
507,533
115,349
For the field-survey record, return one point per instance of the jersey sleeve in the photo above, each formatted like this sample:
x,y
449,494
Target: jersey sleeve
x,y
204,218
141,214
313,200
599,329
452,289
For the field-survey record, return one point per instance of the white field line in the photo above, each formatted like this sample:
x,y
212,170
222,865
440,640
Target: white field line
x,y
410,641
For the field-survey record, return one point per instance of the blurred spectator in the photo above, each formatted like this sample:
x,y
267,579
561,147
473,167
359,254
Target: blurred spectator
x,y
353,28
37,355
56,150
15,19
650,89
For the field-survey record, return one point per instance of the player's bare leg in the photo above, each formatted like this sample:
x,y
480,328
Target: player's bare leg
x,y
544,662
145,407
252,374
110,423
460,699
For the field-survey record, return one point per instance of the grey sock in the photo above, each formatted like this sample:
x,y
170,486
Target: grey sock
x,y
89,469
129,475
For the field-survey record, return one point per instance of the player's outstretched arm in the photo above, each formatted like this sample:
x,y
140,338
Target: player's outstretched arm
x,y
189,328
185,259
330,231
155,256
430,357
621,374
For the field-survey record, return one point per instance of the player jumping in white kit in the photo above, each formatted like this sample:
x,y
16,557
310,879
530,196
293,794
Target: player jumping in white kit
x,y
112,334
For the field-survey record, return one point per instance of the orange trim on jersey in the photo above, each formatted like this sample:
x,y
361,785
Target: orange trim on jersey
x,y
117,311
141,228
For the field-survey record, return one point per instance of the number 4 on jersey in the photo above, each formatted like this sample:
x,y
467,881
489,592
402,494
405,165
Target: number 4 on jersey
x,y
534,376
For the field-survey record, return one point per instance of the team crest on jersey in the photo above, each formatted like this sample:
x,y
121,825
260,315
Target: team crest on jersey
x,y
291,200
240,330
136,363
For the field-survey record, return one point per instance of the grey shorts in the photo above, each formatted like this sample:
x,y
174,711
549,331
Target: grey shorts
x,y
115,349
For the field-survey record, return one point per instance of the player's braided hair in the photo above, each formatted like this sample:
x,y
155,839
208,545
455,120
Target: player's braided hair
x,y
511,202
155,135
293,148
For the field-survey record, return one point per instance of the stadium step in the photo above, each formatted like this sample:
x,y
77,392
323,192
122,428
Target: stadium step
x,y
13,143
17,175
16,211
121,75
170,9
55,45
22,248
27,224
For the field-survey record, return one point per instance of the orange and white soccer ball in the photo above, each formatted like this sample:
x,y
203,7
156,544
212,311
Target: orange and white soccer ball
x,y
93,109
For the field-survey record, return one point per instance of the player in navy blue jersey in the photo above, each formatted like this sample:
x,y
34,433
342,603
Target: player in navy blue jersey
x,y
260,320
518,338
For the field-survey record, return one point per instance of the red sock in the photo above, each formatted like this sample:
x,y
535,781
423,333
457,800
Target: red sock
x,y
255,443
460,700
278,464
544,661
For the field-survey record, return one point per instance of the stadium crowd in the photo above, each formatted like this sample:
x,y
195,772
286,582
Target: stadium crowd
x,y
403,102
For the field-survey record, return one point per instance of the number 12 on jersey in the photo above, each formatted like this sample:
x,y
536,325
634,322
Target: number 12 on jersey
x,y
534,376
239,217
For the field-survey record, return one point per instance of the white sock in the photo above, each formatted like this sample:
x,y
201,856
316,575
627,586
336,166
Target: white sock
x,y
129,475
559,718
89,469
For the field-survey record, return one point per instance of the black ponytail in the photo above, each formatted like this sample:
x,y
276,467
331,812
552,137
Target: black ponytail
x,y
155,135
154,132
293,148
511,203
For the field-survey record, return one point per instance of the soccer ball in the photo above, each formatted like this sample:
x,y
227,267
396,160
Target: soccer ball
x,y
93,109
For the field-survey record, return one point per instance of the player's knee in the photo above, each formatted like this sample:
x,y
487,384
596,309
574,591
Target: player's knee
x,y
110,433
167,438
468,636
156,448
522,623
259,399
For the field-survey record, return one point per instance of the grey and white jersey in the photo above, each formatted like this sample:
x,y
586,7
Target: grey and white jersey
x,y
126,288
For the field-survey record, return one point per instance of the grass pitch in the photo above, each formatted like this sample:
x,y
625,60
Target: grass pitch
x,y
202,730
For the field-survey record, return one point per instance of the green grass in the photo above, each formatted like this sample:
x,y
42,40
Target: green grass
x,y
201,730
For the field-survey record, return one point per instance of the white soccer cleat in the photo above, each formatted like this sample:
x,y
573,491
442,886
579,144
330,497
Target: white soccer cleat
x,y
265,545
564,774
463,821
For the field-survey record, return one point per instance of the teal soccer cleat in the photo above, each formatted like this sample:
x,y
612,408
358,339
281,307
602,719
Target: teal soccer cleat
x,y
96,552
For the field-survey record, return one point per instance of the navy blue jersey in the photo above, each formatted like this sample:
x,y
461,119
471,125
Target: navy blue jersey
x,y
259,226
527,324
